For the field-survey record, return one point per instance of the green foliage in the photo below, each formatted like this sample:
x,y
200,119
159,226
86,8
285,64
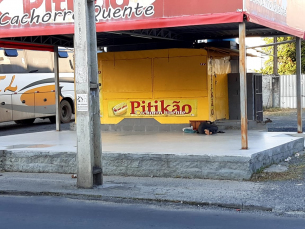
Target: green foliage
x,y
286,57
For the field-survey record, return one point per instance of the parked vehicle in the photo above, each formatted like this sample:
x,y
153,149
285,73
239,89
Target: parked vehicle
x,y
27,86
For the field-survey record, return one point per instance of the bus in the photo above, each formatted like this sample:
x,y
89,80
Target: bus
x,y
27,85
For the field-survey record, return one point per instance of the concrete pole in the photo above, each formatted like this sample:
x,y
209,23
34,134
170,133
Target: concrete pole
x,y
243,85
299,85
57,89
89,151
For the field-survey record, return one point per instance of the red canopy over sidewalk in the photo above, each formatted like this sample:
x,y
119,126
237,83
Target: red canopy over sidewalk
x,y
53,17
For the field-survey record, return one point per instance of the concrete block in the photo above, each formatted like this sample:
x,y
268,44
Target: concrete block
x,y
151,128
164,128
139,128
127,128
115,128
105,127
36,162
2,160
146,122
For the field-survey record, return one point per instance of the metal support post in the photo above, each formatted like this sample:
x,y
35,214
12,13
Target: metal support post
x,y
243,85
275,71
57,89
275,60
299,85
89,150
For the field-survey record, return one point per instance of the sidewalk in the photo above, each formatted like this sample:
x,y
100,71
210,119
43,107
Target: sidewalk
x,y
146,154
277,196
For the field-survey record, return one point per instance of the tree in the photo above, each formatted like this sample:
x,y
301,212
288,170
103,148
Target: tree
x,y
286,57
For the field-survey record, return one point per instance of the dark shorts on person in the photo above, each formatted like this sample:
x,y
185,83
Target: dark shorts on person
x,y
207,126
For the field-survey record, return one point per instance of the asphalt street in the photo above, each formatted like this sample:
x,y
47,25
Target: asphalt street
x,y
57,212
11,128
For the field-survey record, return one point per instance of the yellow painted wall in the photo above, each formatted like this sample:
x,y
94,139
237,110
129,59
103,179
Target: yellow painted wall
x,y
171,74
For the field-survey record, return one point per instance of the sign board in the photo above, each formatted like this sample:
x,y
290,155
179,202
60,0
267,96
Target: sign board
x,y
50,17
82,102
152,108
283,15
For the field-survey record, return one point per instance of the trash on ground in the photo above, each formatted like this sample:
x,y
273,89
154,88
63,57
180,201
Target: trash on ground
x,y
288,159
74,176
188,130
267,120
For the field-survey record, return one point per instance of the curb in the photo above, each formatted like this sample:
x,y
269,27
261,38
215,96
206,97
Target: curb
x,y
116,199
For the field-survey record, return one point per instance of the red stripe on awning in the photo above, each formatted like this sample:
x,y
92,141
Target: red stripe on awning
x,y
207,19
19,45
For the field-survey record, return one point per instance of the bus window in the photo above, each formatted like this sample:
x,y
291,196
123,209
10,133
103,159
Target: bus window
x,y
11,52
62,54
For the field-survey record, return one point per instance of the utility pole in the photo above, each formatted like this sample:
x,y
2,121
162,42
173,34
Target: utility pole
x,y
89,149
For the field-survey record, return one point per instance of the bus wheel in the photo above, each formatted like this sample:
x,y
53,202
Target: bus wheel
x,y
25,121
66,111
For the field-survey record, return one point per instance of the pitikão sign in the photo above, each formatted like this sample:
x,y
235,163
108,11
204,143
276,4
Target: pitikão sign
x,y
132,108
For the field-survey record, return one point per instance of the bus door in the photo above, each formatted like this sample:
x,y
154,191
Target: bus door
x,y
6,113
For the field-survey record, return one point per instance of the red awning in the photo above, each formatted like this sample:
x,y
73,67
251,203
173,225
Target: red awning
x,y
276,26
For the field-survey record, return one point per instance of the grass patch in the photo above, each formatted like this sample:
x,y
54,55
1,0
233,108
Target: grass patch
x,y
276,111
296,171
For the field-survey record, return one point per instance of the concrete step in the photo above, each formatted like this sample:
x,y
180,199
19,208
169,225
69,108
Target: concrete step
x,y
236,125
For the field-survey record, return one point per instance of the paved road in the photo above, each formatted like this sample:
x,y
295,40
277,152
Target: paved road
x,y
284,121
56,212
11,128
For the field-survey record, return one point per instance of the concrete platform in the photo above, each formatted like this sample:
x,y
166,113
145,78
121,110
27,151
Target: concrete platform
x,y
152,154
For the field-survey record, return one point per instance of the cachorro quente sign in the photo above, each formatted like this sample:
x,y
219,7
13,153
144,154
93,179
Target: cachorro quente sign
x,y
28,12
152,108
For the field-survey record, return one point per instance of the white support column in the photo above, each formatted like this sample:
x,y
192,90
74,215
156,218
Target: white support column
x,y
243,85
57,89
89,149
299,84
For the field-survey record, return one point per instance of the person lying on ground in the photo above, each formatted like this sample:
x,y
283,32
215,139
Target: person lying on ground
x,y
207,128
